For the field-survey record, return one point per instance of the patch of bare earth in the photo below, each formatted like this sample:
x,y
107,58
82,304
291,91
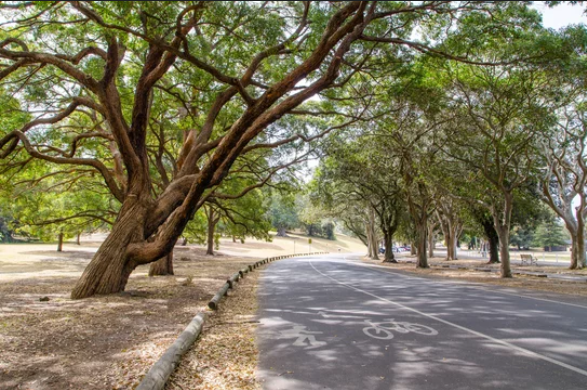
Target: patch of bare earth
x,y
225,357
105,342
492,278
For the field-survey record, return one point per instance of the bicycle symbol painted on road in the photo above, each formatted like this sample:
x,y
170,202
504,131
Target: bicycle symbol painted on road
x,y
304,337
383,330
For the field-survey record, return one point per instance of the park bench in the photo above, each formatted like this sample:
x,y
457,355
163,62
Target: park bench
x,y
528,259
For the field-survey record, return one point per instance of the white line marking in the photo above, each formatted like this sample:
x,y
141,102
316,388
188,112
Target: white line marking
x,y
479,334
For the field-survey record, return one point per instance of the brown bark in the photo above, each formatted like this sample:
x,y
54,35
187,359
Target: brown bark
x,y
163,266
146,230
389,256
431,241
111,266
78,239
60,242
213,219
502,226
281,232
493,243
579,258
422,241
373,246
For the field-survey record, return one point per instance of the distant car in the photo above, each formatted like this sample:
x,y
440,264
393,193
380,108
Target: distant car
x,y
382,250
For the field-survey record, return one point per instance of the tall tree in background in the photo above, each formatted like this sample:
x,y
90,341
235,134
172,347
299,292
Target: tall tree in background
x,y
500,115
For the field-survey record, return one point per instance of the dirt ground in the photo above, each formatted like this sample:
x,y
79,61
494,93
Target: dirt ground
x,y
109,342
548,285
105,342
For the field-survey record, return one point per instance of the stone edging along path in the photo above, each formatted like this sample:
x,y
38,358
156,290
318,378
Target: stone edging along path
x,y
164,367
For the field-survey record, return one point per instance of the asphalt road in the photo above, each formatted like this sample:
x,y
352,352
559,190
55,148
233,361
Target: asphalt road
x,y
332,322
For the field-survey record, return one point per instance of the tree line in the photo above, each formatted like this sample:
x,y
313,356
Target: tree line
x,y
164,112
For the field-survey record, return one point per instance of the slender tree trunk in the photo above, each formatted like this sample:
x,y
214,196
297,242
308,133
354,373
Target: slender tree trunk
x,y
422,231
456,233
233,238
163,266
210,239
372,235
431,228
60,242
580,254
185,241
504,251
413,248
389,256
430,245
576,230
449,241
78,239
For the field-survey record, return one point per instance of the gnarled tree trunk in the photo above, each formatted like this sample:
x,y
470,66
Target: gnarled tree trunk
x,y
163,266
109,270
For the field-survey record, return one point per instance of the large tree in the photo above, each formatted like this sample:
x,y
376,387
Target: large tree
x,y
500,113
92,75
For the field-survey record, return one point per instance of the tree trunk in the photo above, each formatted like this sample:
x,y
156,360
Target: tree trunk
x,y
185,241
210,239
389,256
493,243
577,234
233,238
431,228
78,239
413,249
493,240
372,235
580,254
422,240
504,252
163,266
449,241
281,232
60,242
109,270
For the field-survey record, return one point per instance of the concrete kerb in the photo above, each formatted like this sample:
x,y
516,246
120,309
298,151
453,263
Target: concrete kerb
x,y
164,367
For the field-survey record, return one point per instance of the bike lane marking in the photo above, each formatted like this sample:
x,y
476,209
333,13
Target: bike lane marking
x,y
474,332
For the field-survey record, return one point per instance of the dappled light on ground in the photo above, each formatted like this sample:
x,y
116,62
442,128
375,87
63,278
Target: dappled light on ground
x,y
328,325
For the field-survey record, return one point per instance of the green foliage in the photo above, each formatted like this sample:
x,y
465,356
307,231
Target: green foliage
x,y
549,234
283,212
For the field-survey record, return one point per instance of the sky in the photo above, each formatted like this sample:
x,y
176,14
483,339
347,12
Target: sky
x,y
561,15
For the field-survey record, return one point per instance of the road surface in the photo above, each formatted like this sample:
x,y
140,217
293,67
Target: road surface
x,y
332,322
